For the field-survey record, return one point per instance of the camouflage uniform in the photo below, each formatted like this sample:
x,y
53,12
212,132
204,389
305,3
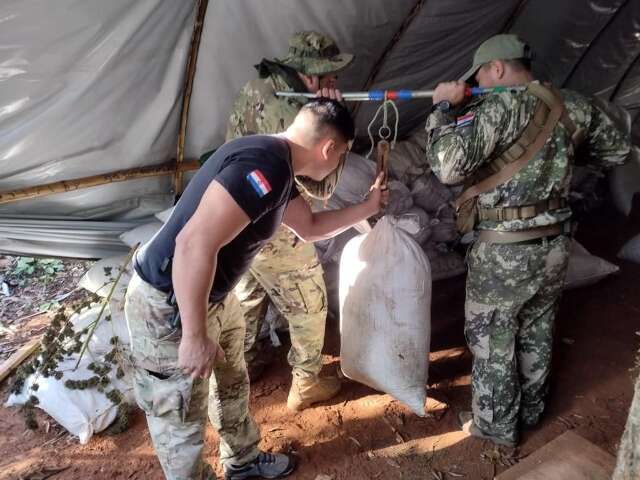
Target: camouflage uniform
x,y
628,463
513,289
286,271
175,404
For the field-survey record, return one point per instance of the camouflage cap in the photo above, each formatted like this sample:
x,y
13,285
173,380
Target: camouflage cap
x,y
312,53
498,47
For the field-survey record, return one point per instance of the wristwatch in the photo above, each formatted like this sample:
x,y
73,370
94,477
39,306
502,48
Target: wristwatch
x,y
444,106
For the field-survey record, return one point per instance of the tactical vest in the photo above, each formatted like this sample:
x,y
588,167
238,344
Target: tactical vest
x,y
549,110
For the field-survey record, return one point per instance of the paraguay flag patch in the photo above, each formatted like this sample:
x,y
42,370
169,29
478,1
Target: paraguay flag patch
x,y
465,119
259,183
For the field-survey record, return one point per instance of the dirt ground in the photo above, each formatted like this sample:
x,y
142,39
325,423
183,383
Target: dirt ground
x,y
363,434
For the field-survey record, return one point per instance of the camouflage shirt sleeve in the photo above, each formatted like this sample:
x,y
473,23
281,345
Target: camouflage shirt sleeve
x,y
458,146
257,110
607,145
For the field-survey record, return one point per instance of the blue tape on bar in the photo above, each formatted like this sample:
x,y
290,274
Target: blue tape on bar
x,y
477,90
376,95
405,94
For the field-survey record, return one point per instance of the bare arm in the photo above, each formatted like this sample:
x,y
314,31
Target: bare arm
x,y
311,227
217,220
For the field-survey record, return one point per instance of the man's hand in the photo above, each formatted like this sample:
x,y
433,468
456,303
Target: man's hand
x,y
332,93
453,92
198,354
378,194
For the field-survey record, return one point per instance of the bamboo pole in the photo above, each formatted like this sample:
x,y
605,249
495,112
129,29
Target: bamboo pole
x,y
188,88
96,180
14,361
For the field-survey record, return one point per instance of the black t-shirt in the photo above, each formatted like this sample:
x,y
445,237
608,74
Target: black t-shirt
x,y
256,171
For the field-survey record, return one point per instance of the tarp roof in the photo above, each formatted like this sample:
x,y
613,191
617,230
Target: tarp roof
x,y
89,86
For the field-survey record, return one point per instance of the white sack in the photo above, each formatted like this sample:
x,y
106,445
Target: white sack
x,y
385,317
586,269
83,412
631,250
141,234
100,277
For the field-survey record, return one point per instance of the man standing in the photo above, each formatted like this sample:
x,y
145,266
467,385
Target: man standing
x,y
286,271
227,213
516,148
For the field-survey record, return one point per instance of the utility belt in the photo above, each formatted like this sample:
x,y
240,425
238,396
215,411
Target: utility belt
x,y
503,214
525,237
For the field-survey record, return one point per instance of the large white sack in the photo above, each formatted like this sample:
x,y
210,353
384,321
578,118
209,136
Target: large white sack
x,y
83,412
100,277
586,269
141,234
385,316
631,250
624,182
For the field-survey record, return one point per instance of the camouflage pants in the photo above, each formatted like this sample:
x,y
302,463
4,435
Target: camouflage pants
x,y
287,272
175,404
512,297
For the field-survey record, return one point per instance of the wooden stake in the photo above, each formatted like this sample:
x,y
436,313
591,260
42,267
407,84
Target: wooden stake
x,y
18,357
96,180
186,100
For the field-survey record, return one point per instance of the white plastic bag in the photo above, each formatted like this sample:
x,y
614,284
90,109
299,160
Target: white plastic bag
x,y
83,412
586,269
385,324
100,277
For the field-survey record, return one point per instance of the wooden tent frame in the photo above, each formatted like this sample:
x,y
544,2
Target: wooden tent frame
x,y
175,167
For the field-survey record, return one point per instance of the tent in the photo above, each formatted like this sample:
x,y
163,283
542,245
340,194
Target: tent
x,y
91,87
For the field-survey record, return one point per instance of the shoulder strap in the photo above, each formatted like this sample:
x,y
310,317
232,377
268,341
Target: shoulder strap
x,y
550,107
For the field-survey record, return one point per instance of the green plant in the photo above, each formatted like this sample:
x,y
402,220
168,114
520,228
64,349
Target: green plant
x,y
44,268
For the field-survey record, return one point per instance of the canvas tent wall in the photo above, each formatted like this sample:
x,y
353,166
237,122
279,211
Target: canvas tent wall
x,y
91,86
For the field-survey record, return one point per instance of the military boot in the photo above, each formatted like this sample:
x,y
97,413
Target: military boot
x,y
306,391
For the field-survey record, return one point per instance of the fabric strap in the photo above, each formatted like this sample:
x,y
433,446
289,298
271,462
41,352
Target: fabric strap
x,y
546,116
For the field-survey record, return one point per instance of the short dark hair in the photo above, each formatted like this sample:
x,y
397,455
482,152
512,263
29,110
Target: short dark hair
x,y
331,114
519,64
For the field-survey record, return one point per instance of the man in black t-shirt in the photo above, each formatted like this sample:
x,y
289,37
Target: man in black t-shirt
x,y
227,213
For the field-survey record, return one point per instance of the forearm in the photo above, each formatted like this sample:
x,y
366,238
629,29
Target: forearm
x,y
193,271
328,224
